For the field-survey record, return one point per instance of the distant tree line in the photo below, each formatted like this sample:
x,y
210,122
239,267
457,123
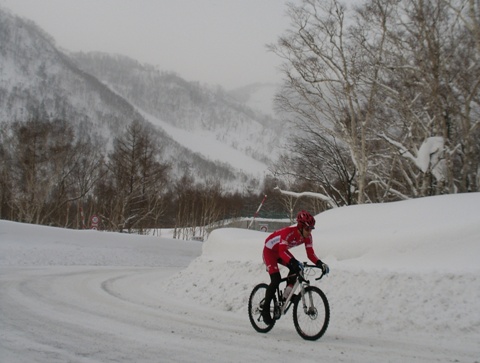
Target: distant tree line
x,y
52,175
385,98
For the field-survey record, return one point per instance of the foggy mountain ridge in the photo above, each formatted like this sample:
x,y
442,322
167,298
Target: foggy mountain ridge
x,y
102,94
187,105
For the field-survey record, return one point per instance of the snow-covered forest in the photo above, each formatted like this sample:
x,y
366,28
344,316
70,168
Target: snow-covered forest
x,y
386,96
380,102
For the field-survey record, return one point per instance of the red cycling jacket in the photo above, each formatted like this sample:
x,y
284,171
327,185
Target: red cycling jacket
x,y
279,242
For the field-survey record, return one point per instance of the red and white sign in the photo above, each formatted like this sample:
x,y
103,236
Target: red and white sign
x,y
94,222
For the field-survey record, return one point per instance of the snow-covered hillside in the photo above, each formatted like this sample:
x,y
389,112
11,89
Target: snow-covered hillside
x,y
205,144
201,112
404,287
204,130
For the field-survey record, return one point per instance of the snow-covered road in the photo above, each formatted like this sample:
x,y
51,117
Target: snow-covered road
x,y
96,314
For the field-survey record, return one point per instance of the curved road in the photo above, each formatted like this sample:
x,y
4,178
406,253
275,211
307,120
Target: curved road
x,y
118,314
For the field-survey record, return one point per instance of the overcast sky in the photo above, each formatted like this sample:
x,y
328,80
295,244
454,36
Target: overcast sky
x,y
219,42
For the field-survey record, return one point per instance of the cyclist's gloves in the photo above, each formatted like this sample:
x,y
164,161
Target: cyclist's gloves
x,y
295,265
323,266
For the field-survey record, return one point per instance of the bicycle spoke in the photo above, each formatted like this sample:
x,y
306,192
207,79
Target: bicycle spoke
x,y
312,314
255,307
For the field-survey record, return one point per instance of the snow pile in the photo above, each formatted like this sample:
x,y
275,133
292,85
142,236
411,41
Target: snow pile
x,y
394,267
33,245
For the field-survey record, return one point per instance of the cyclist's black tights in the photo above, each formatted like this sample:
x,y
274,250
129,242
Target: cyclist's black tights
x,y
274,282
270,293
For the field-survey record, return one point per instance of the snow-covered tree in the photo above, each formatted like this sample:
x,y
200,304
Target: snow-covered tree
x,y
393,83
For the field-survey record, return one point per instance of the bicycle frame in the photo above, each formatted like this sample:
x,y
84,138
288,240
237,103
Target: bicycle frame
x,y
299,282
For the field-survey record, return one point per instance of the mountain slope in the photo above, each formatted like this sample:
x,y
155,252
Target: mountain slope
x,y
187,105
39,81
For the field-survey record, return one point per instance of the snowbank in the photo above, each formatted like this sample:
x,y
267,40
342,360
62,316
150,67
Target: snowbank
x,y
394,267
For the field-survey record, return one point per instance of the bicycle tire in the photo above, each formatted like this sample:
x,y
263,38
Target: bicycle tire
x,y
311,325
255,306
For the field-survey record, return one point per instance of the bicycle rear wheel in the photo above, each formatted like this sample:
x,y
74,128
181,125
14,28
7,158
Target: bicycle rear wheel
x,y
255,307
311,321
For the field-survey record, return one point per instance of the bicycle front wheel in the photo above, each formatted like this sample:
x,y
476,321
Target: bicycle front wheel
x,y
311,317
255,308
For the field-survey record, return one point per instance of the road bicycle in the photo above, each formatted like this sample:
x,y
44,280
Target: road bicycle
x,y
311,312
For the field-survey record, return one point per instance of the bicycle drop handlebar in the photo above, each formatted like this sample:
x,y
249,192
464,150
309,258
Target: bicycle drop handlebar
x,y
306,265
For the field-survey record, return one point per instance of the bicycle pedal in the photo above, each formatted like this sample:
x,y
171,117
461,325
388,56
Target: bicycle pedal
x,y
277,313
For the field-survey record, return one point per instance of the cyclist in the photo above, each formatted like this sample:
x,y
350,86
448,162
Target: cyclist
x,y
276,250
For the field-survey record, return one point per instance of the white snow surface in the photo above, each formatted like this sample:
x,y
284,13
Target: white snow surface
x,y
205,144
429,147
404,286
